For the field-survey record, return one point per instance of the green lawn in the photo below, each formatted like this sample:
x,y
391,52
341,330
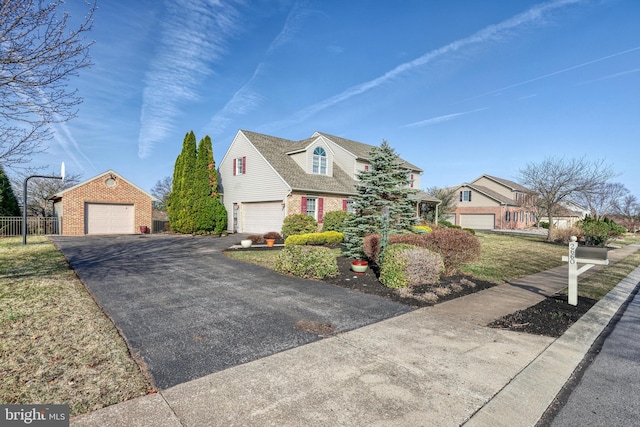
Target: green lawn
x,y
56,344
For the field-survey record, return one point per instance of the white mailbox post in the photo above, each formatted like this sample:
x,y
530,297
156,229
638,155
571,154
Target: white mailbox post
x,y
582,255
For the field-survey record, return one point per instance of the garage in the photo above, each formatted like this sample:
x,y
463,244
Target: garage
x,y
104,204
478,221
262,217
103,218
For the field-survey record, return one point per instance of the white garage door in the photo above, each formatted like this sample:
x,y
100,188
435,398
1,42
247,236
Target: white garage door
x,y
109,219
262,217
477,221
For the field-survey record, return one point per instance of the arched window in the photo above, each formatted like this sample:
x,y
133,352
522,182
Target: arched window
x,y
320,161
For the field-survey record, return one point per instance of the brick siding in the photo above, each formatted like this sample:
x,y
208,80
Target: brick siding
x,y
96,191
500,216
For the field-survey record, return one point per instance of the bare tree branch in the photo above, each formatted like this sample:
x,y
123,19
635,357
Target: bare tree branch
x,y
38,55
40,190
558,180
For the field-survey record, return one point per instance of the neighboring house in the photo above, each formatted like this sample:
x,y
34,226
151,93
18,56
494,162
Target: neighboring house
x,y
489,203
105,204
265,178
567,215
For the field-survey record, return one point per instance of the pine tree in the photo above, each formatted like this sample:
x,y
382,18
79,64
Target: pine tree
x,y
8,202
385,184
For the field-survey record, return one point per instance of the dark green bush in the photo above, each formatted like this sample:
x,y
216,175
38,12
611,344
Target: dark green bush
x,y
309,262
407,265
298,224
597,232
470,230
334,221
544,224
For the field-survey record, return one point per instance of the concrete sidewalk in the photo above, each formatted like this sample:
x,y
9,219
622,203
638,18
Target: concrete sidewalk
x,y
435,366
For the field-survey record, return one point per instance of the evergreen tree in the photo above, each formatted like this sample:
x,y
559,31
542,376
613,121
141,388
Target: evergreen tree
x,y
385,184
204,194
182,198
8,201
194,205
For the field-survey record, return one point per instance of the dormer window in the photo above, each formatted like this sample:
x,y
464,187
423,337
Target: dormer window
x,y
320,161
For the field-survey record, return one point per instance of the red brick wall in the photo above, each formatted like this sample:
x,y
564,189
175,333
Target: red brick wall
x,y
96,191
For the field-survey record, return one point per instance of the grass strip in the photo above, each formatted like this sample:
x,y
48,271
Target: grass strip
x,y
56,344
598,284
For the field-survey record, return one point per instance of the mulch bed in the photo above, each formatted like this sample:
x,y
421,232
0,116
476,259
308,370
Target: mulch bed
x,y
416,297
550,317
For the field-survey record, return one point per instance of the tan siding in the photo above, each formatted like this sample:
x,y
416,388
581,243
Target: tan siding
x,y
477,199
492,185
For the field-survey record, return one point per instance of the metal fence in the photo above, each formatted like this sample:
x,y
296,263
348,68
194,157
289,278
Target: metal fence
x,y
160,226
12,225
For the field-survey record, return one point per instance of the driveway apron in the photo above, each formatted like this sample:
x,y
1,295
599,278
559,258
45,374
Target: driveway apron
x,y
186,310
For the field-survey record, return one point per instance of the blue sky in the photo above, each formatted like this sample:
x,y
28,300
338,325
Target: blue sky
x,y
460,88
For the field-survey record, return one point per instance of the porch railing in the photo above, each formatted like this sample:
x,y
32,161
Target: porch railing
x,y
12,225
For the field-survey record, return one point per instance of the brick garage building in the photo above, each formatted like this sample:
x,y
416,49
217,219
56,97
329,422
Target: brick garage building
x,y
105,204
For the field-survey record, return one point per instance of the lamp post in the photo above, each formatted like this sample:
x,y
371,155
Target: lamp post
x,y
24,199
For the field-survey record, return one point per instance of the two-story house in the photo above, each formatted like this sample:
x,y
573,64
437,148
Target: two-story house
x,y
265,178
489,203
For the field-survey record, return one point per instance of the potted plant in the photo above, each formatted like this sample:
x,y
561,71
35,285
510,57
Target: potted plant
x,y
271,238
359,265
246,243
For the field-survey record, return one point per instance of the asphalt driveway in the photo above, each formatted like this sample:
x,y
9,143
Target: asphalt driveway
x,y
187,310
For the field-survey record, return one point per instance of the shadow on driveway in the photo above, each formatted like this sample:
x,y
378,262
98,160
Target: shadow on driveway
x,y
187,310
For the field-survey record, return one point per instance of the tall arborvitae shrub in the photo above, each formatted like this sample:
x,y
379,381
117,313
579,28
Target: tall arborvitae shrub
x,y
182,196
385,184
194,204
8,201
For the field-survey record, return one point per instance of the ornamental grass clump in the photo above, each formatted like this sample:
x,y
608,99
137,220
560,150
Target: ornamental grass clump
x,y
407,265
308,262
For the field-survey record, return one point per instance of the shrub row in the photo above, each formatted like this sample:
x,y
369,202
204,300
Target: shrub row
x,y
324,238
407,265
456,246
308,262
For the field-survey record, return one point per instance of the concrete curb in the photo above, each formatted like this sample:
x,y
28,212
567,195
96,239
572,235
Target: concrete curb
x,y
525,399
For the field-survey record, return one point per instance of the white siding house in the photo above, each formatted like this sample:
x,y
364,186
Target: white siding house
x,y
265,178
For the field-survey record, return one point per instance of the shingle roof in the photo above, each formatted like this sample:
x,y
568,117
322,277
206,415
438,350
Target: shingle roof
x,y
360,149
493,194
510,184
275,150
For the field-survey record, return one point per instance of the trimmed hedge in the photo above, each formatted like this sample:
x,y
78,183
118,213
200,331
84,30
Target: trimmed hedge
x,y
309,262
420,229
324,238
407,265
